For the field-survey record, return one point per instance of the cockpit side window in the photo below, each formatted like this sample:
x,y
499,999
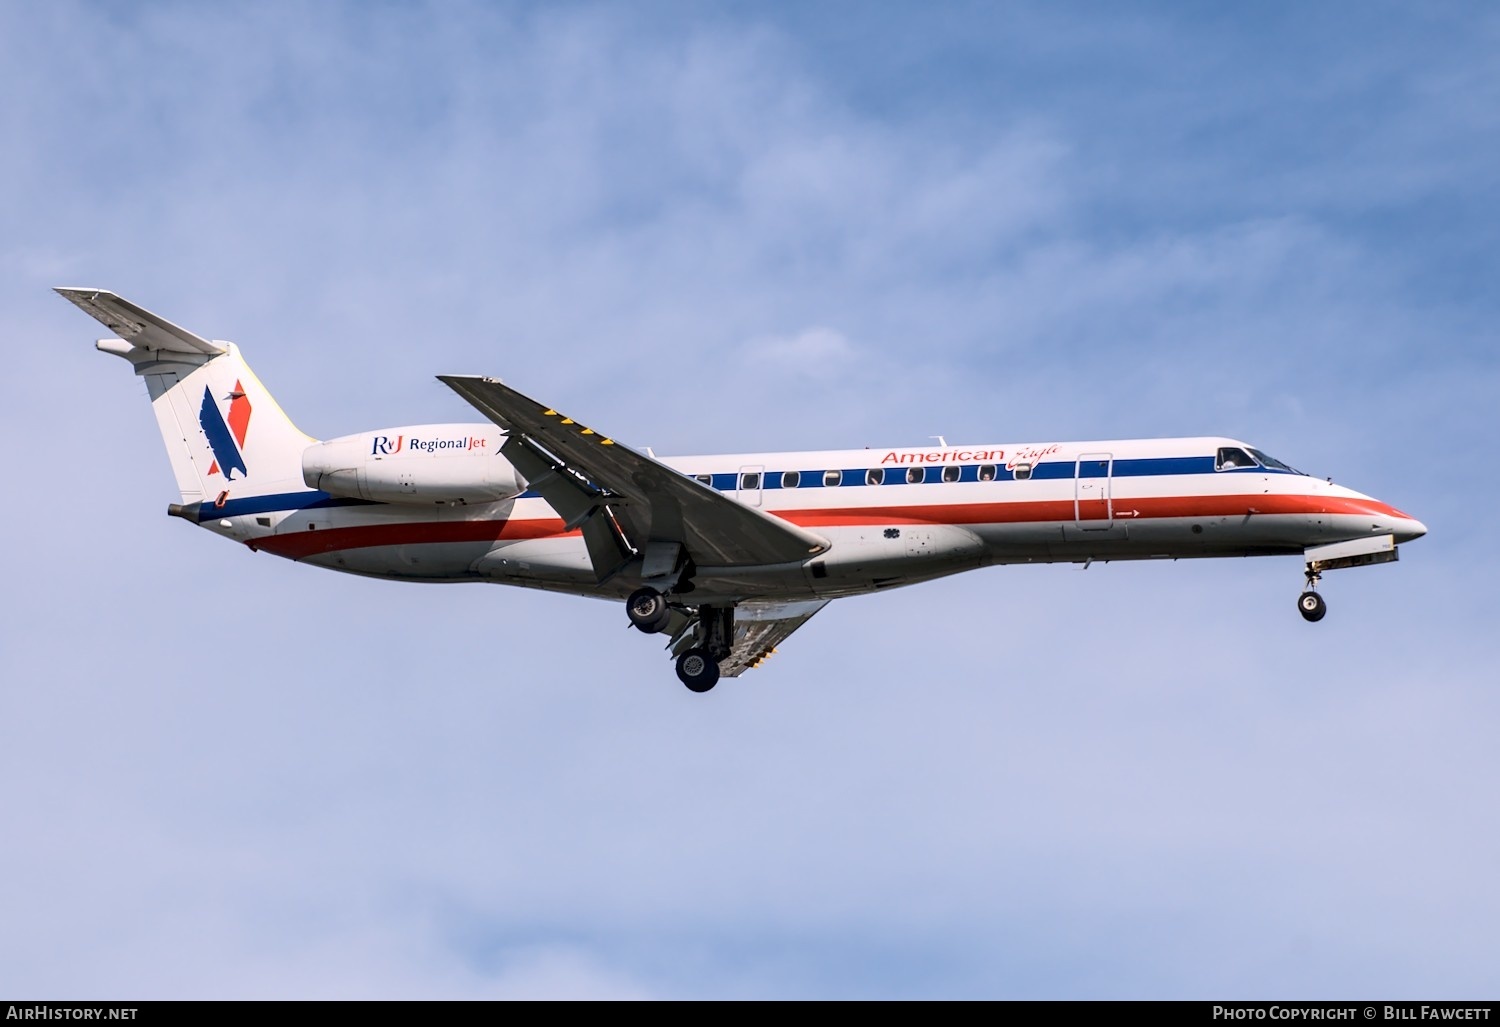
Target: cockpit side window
x,y
1232,457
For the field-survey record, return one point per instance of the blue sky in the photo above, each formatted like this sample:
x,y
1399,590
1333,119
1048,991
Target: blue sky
x,y
734,228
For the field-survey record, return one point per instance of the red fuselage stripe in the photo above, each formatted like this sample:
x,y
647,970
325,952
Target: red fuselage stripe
x,y
1090,509
300,544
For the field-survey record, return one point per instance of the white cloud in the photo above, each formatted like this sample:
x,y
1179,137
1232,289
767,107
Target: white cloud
x,y
813,352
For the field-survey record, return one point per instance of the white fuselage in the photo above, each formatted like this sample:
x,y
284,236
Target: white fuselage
x,y
892,517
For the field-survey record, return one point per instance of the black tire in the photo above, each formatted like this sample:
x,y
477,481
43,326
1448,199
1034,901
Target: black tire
x,y
698,670
1311,606
648,610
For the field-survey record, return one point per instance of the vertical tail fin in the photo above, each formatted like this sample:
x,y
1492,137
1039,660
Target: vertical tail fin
x,y
224,433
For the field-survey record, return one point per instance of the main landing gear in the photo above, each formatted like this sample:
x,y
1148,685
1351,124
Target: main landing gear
x,y
713,635
698,670
648,610
1309,603
713,638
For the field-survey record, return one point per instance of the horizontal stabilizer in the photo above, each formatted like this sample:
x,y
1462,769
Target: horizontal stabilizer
x,y
135,325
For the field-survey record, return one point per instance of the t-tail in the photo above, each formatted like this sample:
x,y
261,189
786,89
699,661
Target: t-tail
x,y
225,435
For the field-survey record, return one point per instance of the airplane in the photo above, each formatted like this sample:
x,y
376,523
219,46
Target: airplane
x,y
725,555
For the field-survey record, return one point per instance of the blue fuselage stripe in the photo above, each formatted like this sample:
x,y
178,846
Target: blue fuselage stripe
x,y
280,502
925,473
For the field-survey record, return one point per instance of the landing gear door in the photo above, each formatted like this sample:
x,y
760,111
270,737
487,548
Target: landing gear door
x,y
1093,509
751,483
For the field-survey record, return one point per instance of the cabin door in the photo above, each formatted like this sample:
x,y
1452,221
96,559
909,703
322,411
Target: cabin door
x,y
751,484
1093,509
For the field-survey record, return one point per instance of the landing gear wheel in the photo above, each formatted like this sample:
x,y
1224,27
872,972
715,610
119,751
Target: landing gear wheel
x,y
698,670
1312,606
648,610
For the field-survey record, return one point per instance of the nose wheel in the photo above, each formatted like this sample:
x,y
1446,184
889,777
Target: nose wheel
x,y
1309,603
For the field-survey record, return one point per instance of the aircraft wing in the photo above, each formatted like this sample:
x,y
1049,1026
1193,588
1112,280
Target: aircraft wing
x,y
623,499
136,325
759,627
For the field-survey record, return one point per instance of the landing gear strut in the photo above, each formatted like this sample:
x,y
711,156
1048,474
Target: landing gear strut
x,y
1309,603
698,667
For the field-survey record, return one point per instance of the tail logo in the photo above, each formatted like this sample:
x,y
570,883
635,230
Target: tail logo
x,y
226,438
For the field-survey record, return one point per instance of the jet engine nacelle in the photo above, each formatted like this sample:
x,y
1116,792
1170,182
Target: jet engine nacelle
x,y
420,463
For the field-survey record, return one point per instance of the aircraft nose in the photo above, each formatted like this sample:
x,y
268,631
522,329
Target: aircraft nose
x,y
1409,528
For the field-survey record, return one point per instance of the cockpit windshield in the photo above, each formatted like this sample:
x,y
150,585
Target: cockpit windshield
x,y
1273,463
1232,458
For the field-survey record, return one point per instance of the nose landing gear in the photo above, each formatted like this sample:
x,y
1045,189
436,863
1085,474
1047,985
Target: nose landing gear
x,y
1355,552
1309,603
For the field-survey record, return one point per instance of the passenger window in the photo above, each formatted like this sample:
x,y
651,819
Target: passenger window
x,y
875,476
750,480
915,475
832,479
987,472
952,473
1023,471
790,479
1231,458
704,479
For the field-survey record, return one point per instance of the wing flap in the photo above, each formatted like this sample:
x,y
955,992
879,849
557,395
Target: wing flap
x,y
572,497
137,325
650,501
